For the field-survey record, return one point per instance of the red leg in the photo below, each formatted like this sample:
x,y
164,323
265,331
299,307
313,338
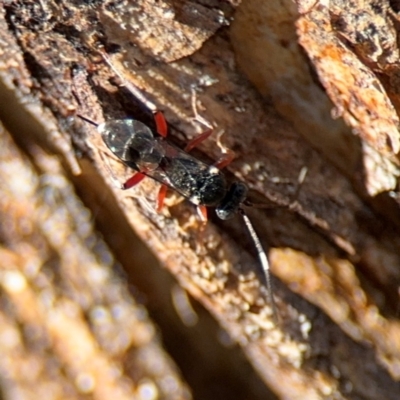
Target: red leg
x,y
160,198
133,180
198,139
225,160
161,123
202,211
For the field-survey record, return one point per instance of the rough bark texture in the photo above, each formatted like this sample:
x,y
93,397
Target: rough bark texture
x,y
71,329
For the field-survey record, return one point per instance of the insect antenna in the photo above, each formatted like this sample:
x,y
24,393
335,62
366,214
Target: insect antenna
x,y
89,121
263,260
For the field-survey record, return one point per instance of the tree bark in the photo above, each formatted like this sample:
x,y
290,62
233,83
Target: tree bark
x,y
269,74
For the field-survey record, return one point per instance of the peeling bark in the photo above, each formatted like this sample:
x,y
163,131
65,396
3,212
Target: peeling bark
x,y
334,246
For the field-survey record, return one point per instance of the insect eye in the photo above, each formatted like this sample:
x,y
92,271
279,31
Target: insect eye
x,y
232,201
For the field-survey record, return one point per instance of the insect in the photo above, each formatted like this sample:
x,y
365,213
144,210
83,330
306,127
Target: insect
x,y
151,155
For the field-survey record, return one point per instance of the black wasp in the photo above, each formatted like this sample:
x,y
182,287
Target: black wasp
x,y
151,154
